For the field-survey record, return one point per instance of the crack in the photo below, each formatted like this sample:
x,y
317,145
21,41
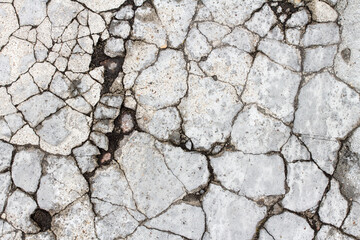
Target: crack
x,y
167,166
168,232
269,233
98,58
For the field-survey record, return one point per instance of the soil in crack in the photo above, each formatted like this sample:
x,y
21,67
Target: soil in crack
x,y
42,218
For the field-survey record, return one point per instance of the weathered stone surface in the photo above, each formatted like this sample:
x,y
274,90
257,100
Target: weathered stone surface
x,y
120,28
161,123
189,167
113,221
114,47
6,155
26,169
61,183
63,131
79,62
30,12
255,132
15,121
5,132
321,34
148,27
196,45
96,23
141,162
8,232
351,224
346,65
318,58
307,184
273,87
4,188
76,221
228,64
295,150
229,215
208,111
298,19
34,111
242,38
293,36
22,89
175,17
182,219
6,106
110,185
262,21
322,12
60,13
41,236
253,176
289,226
213,31
85,156
18,210
125,13
327,108
15,58
212,119
281,53
164,83
334,206
24,136
330,233
143,232
139,56
100,6
323,151
232,12
8,22
348,169
42,74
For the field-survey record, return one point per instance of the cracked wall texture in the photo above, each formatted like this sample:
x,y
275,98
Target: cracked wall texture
x,y
180,119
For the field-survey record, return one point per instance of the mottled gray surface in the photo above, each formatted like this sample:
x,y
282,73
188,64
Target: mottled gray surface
x,y
186,119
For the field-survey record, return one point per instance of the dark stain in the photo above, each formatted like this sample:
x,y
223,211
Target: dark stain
x,y
42,218
313,220
348,167
346,54
74,88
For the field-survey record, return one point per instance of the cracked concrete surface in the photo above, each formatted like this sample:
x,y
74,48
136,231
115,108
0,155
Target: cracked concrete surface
x,y
186,119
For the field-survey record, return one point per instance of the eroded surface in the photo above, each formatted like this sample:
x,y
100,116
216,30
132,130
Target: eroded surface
x,y
187,119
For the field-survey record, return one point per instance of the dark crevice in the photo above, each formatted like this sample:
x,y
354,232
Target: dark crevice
x,y
42,218
112,66
283,8
117,135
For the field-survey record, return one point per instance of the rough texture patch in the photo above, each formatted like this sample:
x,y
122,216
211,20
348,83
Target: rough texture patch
x,y
314,115
230,215
255,132
289,226
307,184
57,189
179,119
140,161
167,88
253,176
208,111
